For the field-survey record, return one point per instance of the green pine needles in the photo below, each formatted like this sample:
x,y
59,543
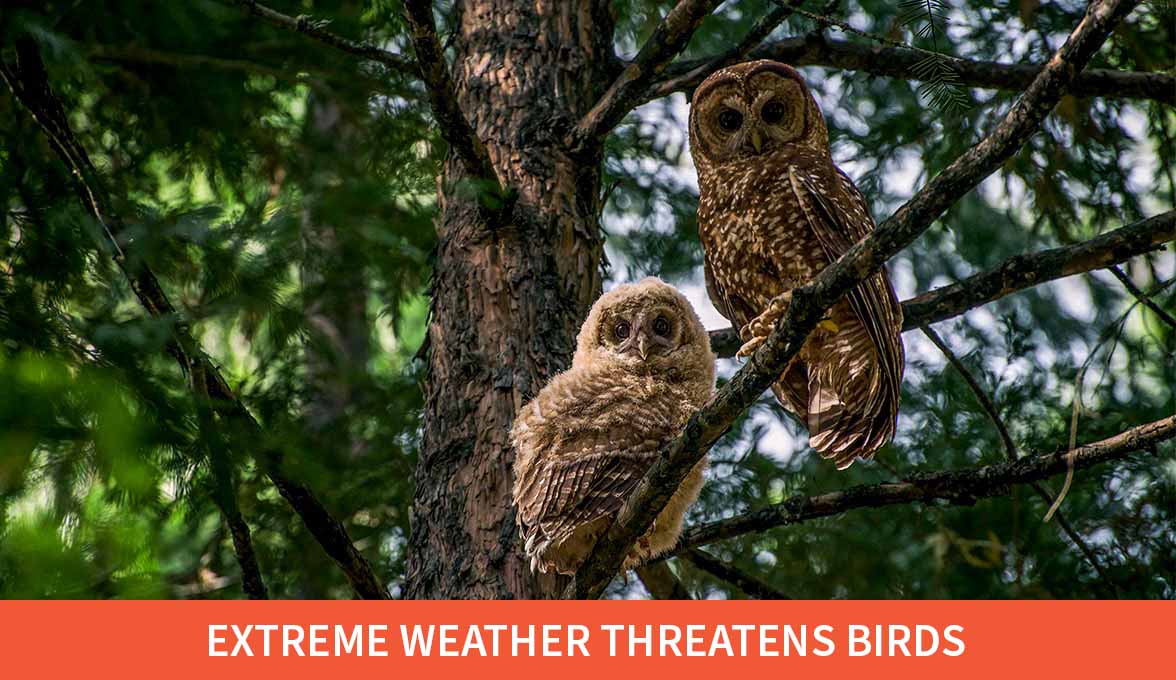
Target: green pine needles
x,y
941,84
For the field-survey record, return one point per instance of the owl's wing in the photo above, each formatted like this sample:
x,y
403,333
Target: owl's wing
x,y
588,477
840,217
717,295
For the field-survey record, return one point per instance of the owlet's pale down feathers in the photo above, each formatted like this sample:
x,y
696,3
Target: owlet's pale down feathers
x,y
643,366
773,212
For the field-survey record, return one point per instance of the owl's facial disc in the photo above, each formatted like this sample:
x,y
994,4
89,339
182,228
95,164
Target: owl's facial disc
x,y
658,335
740,116
779,109
645,336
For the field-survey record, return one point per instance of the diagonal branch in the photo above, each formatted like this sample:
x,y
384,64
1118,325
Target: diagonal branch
x,y
1143,297
1010,449
224,489
899,62
315,29
810,301
669,38
692,77
429,65
455,128
27,79
758,32
1016,274
750,585
958,487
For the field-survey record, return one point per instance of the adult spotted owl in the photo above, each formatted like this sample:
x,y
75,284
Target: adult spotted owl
x,y
642,366
773,212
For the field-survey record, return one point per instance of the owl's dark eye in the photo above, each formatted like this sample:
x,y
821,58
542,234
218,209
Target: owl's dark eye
x,y
730,120
661,326
772,112
621,330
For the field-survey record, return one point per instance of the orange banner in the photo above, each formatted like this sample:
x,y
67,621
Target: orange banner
x,y
583,639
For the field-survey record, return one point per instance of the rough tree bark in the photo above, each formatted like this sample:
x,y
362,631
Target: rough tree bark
x,y
508,297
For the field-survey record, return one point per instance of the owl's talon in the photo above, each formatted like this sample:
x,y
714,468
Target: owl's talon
x,y
828,325
750,346
779,304
766,321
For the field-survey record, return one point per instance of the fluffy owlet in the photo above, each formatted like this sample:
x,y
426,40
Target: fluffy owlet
x,y
643,366
773,212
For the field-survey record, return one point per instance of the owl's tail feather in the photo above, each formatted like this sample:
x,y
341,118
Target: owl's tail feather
x,y
844,424
848,419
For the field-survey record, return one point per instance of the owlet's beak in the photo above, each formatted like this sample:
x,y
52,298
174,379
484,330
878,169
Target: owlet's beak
x,y
757,139
643,346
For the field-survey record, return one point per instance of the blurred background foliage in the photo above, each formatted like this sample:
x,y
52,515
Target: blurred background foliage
x,y
284,194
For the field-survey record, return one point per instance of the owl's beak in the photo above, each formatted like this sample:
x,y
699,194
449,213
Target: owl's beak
x,y
643,346
757,140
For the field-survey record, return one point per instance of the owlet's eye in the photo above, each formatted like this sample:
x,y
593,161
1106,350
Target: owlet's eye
x,y
621,330
772,112
661,326
730,120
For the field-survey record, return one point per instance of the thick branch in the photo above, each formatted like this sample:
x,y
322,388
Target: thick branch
x,y
809,302
959,487
455,128
750,585
894,62
27,80
316,30
669,38
1025,271
1016,274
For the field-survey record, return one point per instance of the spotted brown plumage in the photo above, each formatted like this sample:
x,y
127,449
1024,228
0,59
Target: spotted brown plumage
x,y
773,212
586,440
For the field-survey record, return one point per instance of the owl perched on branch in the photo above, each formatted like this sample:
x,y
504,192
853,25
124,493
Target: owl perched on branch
x,y
773,212
643,365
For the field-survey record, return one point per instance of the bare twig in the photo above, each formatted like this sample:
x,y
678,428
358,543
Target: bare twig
x,y
1080,379
759,31
1010,449
455,128
752,586
689,79
667,40
1016,274
810,301
986,405
899,62
27,79
179,60
959,487
829,22
1143,297
316,30
429,65
224,489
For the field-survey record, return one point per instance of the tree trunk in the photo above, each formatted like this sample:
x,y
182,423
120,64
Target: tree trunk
x,y
506,302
